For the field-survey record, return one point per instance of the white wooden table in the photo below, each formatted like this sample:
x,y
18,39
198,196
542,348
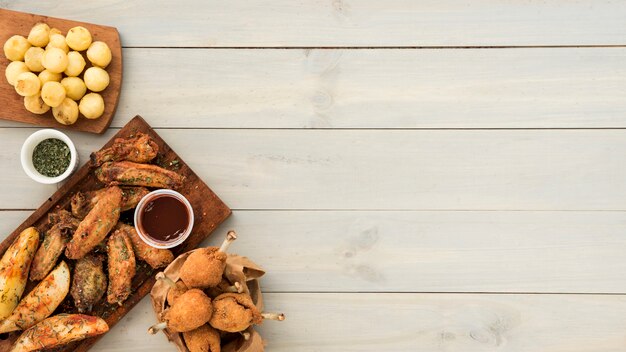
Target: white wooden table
x,y
437,175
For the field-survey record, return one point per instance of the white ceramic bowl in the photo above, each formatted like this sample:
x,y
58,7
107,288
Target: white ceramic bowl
x,y
27,155
139,209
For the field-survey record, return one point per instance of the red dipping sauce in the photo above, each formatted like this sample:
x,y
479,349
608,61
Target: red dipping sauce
x,y
163,218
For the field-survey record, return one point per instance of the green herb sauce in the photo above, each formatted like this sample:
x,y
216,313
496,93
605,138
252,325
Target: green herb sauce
x,y
51,157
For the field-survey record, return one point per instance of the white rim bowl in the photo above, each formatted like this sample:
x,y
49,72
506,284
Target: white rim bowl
x,y
27,155
142,203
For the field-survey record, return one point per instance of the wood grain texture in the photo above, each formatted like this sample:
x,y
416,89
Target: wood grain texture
x,y
335,89
366,23
381,170
329,251
417,322
209,212
12,23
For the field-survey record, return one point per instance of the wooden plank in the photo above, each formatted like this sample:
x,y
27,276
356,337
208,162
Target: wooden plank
x,y
284,23
12,23
328,251
417,322
373,169
521,88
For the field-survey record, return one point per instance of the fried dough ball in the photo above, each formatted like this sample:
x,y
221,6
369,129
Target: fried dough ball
x,y
75,64
33,58
15,48
13,70
204,267
27,84
39,35
75,88
53,93
36,105
99,54
96,79
234,312
190,311
47,76
67,112
203,339
92,106
57,40
78,38
55,60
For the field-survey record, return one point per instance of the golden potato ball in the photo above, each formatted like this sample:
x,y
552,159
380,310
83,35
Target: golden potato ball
x,y
47,76
53,93
39,35
33,58
78,38
55,31
55,60
91,106
27,84
99,54
13,70
96,79
58,41
67,112
74,87
15,48
75,64
35,104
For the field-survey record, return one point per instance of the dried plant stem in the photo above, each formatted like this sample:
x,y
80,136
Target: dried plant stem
x,y
273,316
157,327
230,237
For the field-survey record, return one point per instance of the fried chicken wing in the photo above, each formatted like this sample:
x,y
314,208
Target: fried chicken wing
x,y
83,202
203,339
140,149
53,244
89,283
121,267
133,174
96,225
155,257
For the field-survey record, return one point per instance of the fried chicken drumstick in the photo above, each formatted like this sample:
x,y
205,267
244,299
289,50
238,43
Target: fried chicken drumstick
x,y
133,174
203,339
204,267
235,312
83,202
190,311
96,225
140,149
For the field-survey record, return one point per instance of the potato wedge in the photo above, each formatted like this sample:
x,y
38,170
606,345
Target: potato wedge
x,y
39,303
59,330
14,267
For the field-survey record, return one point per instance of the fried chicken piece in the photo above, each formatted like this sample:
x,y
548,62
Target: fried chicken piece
x,y
140,149
89,283
224,287
203,339
234,312
83,202
155,257
190,311
121,267
133,174
176,288
96,225
53,244
204,267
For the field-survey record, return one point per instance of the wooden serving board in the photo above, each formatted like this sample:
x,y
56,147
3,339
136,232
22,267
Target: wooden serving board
x,y
12,23
209,212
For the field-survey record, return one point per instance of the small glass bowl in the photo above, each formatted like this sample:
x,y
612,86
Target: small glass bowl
x,y
26,155
151,241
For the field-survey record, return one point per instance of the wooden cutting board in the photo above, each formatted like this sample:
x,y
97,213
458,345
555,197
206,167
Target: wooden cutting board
x,y
209,212
12,23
